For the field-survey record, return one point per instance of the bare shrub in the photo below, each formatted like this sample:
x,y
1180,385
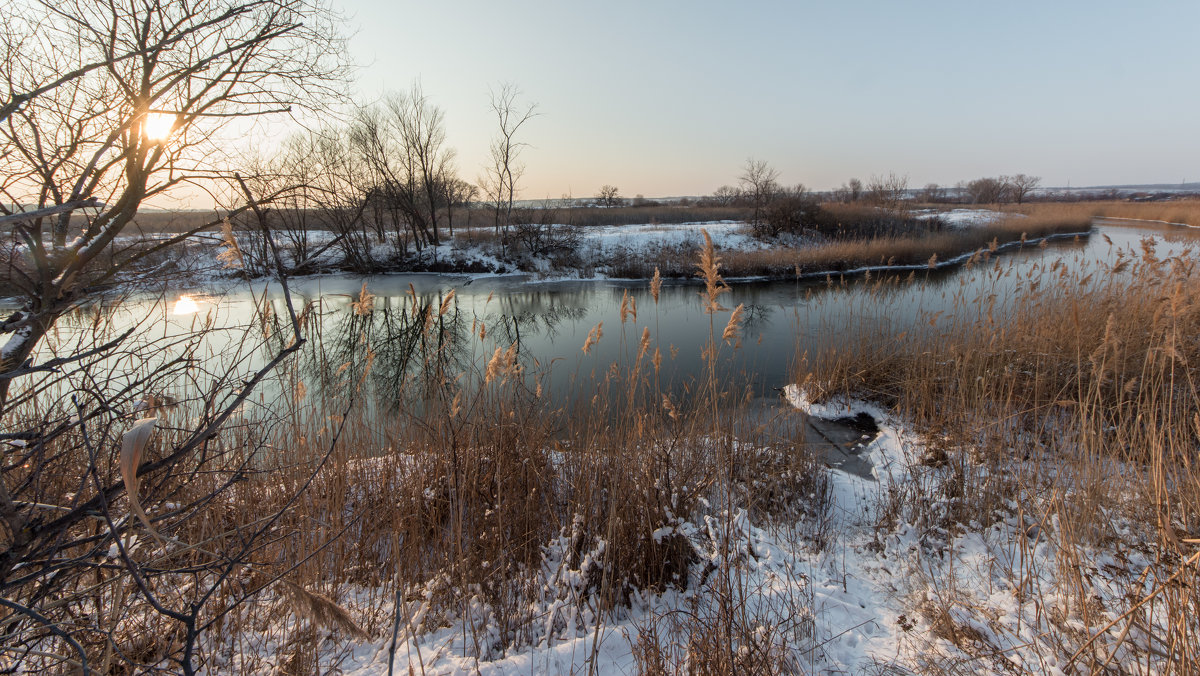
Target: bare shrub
x,y
537,235
790,211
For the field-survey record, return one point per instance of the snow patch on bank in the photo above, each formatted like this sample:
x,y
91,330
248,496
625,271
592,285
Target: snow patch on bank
x,y
644,237
964,219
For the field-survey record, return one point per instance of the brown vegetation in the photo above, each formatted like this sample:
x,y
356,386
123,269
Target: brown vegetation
x,y
924,248
1185,211
451,509
1071,404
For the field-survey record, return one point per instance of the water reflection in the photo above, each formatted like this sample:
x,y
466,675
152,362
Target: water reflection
x,y
417,337
185,306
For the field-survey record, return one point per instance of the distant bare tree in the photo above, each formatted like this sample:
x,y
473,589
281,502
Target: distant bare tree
x,y
854,190
759,184
501,176
987,190
849,192
789,211
1021,185
932,193
726,195
420,128
888,192
609,195
403,143
459,194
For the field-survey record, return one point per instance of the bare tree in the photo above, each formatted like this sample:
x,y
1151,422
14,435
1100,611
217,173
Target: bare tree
x,y
609,195
501,176
932,193
759,184
93,140
888,192
1021,185
988,190
152,85
307,185
33,61
726,195
403,143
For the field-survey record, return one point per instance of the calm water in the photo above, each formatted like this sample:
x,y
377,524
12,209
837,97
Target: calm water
x,y
550,322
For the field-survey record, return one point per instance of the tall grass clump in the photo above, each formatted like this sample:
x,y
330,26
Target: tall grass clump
x,y
876,247
396,479
1180,211
1067,405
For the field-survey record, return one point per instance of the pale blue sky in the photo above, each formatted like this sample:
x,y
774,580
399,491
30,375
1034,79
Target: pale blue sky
x,y
670,98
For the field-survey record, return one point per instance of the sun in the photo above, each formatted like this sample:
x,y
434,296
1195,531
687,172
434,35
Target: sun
x,y
158,126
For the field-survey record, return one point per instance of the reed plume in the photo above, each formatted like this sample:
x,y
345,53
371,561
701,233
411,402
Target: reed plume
x,y
709,267
231,255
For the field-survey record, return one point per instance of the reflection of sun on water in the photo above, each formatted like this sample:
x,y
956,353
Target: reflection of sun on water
x,y
185,306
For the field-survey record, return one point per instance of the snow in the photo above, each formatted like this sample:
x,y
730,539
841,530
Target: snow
x,y
16,342
965,218
874,596
835,608
725,235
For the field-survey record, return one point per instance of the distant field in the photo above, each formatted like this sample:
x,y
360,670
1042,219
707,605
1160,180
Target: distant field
x,y
173,221
167,221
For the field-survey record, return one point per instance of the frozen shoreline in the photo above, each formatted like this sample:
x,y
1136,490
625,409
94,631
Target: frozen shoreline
x,y
202,270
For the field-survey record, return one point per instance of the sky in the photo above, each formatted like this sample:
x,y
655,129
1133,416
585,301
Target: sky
x,y
668,98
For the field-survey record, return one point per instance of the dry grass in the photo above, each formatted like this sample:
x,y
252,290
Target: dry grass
x,y
1071,404
783,262
597,216
458,506
1186,211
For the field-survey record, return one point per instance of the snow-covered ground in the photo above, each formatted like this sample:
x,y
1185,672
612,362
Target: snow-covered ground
x,y
875,596
725,235
964,218
197,262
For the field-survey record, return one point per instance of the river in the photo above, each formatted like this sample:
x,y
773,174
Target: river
x,y
549,323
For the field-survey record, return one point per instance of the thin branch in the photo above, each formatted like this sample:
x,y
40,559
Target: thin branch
x,y
30,216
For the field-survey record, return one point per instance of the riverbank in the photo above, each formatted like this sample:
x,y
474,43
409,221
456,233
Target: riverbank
x,y
934,239
1054,484
464,512
1006,518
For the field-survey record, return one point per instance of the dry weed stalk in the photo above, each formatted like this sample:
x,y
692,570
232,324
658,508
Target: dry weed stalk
x,y
231,255
731,329
364,303
709,266
322,611
593,337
